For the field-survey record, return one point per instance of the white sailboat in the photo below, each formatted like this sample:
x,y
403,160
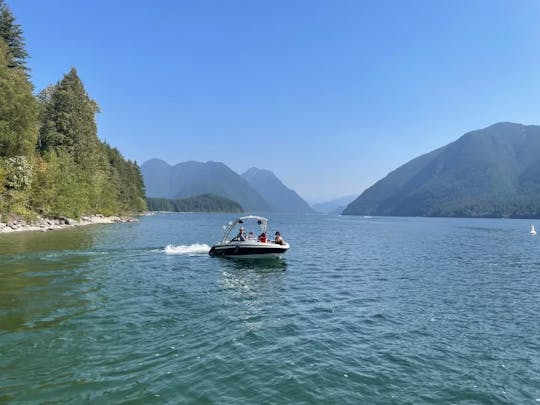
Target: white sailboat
x,y
533,231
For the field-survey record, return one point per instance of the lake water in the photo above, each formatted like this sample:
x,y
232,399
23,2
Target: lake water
x,y
360,310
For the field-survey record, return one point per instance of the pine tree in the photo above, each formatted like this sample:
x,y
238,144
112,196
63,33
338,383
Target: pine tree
x,y
12,34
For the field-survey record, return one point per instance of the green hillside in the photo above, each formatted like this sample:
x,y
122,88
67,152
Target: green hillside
x,y
200,203
492,172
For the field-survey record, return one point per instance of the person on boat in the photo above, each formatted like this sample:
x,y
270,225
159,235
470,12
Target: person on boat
x,y
262,237
241,235
279,240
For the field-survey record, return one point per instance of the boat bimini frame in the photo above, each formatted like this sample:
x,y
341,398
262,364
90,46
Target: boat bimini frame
x,y
262,222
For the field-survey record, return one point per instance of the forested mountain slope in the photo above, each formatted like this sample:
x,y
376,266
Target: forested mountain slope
x,y
492,172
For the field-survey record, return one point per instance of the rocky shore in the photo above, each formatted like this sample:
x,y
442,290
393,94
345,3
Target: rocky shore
x,y
50,224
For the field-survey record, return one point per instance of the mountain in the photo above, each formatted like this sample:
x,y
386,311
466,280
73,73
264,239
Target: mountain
x,y
157,176
190,179
492,172
335,206
278,196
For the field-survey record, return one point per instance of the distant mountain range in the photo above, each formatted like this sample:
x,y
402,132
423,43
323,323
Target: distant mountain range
x,y
255,190
492,172
335,206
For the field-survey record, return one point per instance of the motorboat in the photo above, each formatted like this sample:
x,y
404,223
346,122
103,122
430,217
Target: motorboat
x,y
246,246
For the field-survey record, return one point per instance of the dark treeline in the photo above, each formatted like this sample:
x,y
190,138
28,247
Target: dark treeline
x,y
51,160
200,203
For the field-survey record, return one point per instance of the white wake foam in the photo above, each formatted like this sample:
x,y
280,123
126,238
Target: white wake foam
x,y
194,249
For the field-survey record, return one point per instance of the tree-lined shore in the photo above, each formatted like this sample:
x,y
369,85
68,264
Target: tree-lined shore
x,y
52,163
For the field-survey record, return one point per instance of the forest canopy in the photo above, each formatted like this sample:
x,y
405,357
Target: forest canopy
x,y
52,162
199,203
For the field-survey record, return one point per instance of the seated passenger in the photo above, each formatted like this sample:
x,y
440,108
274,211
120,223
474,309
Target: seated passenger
x,y
241,235
279,240
262,237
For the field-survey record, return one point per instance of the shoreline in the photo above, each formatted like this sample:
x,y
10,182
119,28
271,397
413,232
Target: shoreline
x,y
53,224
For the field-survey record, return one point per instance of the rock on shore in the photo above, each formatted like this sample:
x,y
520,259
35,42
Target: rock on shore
x,y
50,224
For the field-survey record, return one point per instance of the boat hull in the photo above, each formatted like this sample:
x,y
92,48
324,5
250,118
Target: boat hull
x,y
248,251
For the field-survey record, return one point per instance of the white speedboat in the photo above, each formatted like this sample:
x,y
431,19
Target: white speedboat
x,y
245,246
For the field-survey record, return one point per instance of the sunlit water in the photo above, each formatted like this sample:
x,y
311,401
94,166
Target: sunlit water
x,y
360,310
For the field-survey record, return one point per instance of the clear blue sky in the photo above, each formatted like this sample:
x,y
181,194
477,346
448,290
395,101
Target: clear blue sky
x,y
330,95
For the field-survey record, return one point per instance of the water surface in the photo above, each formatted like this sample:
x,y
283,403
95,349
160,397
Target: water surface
x,y
361,310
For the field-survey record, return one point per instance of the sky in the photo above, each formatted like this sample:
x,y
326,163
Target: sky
x,y
329,95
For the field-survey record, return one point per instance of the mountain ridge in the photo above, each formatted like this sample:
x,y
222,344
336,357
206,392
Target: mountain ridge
x,y
192,178
254,190
490,172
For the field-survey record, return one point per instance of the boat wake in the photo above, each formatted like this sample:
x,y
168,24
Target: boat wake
x,y
194,249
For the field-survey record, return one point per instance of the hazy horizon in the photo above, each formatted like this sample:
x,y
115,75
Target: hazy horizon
x,y
331,97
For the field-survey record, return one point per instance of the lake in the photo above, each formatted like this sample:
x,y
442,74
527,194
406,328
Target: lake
x,y
360,310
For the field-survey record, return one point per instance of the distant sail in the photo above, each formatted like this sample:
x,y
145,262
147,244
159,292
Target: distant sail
x,y
533,231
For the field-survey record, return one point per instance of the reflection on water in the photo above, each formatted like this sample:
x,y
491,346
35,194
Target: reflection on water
x,y
32,263
255,286
253,279
259,265
28,242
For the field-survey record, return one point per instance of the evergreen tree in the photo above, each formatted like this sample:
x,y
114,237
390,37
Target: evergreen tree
x,y
105,182
18,110
69,129
69,119
12,34
127,180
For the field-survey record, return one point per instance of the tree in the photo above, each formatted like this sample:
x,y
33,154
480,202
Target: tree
x,y
18,110
106,182
126,179
68,120
72,172
69,129
57,187
12,34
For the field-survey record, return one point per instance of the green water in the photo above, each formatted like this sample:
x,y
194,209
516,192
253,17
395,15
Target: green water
x,y
360,310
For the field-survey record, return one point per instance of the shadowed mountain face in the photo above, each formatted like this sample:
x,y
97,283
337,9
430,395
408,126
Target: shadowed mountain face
x,y
157,176
492,172
189,179
278,196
